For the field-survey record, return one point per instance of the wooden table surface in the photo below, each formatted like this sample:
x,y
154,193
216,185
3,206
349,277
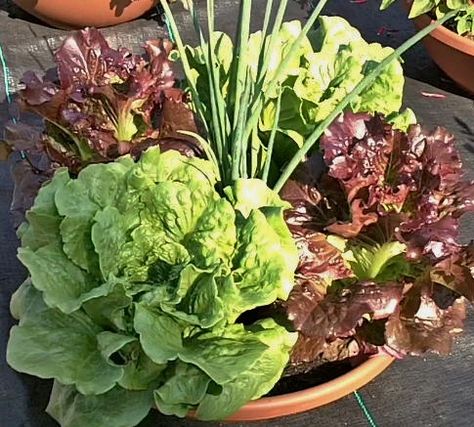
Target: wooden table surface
x,y
415,392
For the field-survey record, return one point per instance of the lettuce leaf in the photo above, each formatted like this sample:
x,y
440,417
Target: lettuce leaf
x,y
330,62
239,364
376,219
72,338
338,60
106,102
142,269
117,407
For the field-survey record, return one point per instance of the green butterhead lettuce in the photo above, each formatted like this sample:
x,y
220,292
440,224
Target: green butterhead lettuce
x,y
74,338
138,273
118,407
330,62
339,59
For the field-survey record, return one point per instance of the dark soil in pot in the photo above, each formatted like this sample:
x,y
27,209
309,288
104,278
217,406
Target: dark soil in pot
x,y
314,377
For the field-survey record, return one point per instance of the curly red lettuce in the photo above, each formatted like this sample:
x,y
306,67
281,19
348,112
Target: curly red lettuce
x,y
108,102
376,217
29,171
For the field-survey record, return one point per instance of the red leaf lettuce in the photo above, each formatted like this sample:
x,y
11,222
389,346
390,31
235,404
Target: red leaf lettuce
x,y
107,102
376,218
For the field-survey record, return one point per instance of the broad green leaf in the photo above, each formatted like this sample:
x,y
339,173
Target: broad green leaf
x,y
402,120
256,381
77,243
200,305
291,116
329,76
276,220
109,233
370,263
186,387
386,3
116,408
456,4
250,194
140,373
192,171
42,226
149,248
180,214
160,335
51,344
213,240
151,270
172,282
264,263
144,174
465,18
73,199
98,186
223,357
289,32
26,301
223,50
63,283
111,342
385,94
419,7
333,32
336,63
107,303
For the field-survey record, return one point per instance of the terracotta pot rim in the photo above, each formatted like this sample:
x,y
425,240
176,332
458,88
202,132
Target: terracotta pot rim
x,y
445,35
313,397
344,381
76,14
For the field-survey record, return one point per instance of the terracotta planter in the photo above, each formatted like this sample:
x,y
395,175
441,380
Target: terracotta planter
x,y
452,53
69,14
314,397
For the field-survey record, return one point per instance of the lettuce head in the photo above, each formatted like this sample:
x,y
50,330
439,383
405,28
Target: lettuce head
x,y
138,273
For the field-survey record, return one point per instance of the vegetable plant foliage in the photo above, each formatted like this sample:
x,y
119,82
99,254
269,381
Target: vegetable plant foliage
x,y
142,270
169,218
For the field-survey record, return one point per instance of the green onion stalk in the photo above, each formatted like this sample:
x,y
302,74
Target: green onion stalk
x,y
235,116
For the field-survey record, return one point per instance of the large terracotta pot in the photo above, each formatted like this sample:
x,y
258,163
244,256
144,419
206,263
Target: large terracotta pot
x,y
69,14
452,53
314,397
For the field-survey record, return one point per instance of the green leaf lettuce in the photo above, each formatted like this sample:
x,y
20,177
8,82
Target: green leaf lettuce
x,y
138,273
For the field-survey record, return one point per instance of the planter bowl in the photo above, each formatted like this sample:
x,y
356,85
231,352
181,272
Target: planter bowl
x,y
68,14
452,53
314,397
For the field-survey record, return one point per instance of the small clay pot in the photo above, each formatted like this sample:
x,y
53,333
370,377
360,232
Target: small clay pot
x,y
69,14
314,397
452,53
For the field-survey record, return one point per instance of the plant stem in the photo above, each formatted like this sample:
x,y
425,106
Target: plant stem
x,y
267,53
184,60
282,67
219,116
266,21
238,146
264,62
240,55
361,86
271,142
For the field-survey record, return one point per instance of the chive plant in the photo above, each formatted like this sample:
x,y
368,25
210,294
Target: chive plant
x,y
235,117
